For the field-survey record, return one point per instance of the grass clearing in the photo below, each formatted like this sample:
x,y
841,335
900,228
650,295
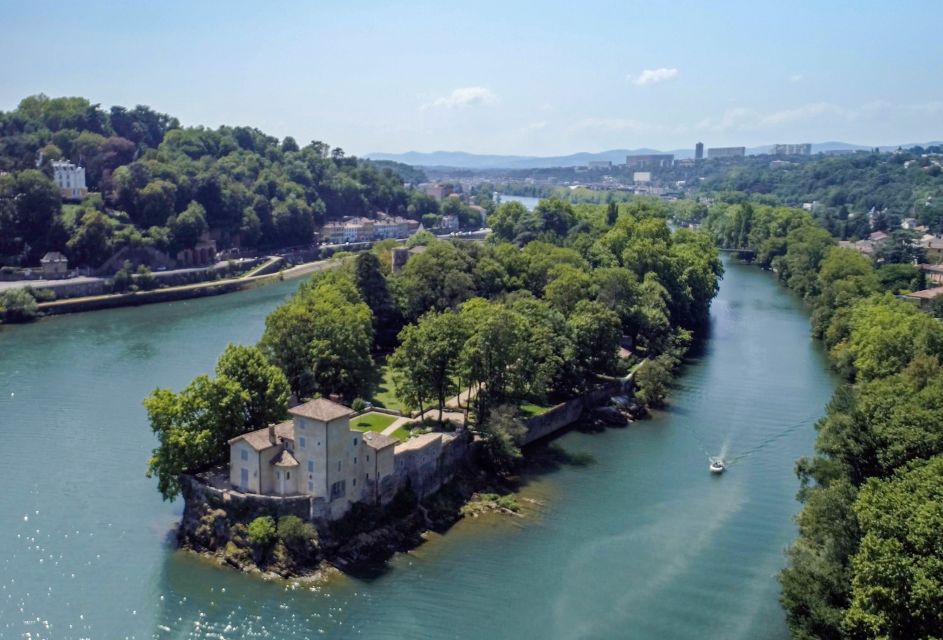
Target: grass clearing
x,y
372,421
530,409
385,394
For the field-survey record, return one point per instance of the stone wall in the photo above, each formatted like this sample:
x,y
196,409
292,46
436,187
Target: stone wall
x,y
424,463
567,413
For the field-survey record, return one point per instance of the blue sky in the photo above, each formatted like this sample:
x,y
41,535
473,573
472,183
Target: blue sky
x,y
497,77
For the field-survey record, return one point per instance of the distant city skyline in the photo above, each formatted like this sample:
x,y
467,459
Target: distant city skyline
x,y
542,79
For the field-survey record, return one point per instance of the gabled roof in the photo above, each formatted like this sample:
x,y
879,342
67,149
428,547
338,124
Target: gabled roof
x,y
259,440
321,409
285,459
376,440
53,256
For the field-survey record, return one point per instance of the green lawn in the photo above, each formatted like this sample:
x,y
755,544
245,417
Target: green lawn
x,y
530,409
372,421
385,395
401,434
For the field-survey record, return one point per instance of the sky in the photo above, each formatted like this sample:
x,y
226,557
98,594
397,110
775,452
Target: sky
x,y
506,77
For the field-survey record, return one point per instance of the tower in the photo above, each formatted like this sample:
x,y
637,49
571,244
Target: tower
x,y
699,151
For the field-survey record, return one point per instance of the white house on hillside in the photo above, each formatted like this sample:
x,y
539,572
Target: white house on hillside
x,y
70,179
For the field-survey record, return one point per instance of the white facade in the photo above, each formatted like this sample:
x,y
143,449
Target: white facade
x,y
70,179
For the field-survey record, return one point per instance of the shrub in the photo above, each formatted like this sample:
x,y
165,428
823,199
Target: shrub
x,y
358,404
262,532
17,305
295,532
652,382
145,279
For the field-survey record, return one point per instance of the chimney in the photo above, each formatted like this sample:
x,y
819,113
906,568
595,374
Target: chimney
x,y
271,433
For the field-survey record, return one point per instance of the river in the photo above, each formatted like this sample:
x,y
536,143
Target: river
x,y
629,536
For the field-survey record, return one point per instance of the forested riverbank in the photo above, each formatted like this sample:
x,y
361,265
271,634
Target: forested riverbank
x,y
867,560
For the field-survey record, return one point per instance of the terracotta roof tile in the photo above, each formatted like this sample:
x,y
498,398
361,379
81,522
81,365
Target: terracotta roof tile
x,y
378,441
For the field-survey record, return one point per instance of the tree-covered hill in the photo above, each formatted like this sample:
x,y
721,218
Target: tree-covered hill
x,y
155,183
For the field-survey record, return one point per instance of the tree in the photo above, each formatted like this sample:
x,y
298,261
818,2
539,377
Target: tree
x,y
897,583
262,532
155,203
373,288
187,227
568,287
265,385
612,213
90,243
595,332
502,434
426,364
438,278
192,428
288,333
17,305
653,381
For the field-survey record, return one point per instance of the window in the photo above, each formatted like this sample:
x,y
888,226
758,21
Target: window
x,y
355,442
355,482
355,459
368,457
366,477
278,475
319,443
338,490
310,486
338,465
302,442
244,478
310,466
244,454
288,475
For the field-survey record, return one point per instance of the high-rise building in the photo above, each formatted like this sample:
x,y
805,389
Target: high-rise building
x,y
649,160
726,152
699,151
804,149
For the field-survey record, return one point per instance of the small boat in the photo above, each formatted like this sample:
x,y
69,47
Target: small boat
x,y
717,465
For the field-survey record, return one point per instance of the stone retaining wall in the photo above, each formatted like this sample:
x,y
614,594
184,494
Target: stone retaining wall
x,y
569,412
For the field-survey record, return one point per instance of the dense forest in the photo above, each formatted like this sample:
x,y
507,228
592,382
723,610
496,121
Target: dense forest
x,y
867,563
155,183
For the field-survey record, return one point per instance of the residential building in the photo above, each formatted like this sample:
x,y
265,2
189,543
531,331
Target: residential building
x,y
716,153
599,164
923,298
699,151
933,246
368,229
803,149
437,191
70,179
54,265
652,160
201,254
642,177
315,453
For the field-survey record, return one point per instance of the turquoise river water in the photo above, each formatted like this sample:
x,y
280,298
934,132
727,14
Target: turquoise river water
x,y
629,537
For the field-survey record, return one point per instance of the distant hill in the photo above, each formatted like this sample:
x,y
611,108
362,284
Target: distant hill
x,y
464,160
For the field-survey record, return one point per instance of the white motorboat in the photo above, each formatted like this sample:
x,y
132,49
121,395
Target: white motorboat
x,y
717,465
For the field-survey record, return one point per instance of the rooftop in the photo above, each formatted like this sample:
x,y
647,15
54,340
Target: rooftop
x,y
321,409
926,294
285,459
376,440
259,440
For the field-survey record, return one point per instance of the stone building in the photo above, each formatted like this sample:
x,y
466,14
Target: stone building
x,y
54,265
315,454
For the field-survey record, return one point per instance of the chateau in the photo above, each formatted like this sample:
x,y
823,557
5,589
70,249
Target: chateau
x,y
314,454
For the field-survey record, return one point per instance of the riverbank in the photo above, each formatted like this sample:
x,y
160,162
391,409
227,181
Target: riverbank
x,y
252,279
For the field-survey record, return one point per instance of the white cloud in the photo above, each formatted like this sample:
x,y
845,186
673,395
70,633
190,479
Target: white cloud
x,y
654,76
463,97
796,77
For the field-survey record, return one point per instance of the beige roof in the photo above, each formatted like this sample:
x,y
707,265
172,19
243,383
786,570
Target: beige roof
x,y
926,294
378,441
321,409
259,440
418,442
285,459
